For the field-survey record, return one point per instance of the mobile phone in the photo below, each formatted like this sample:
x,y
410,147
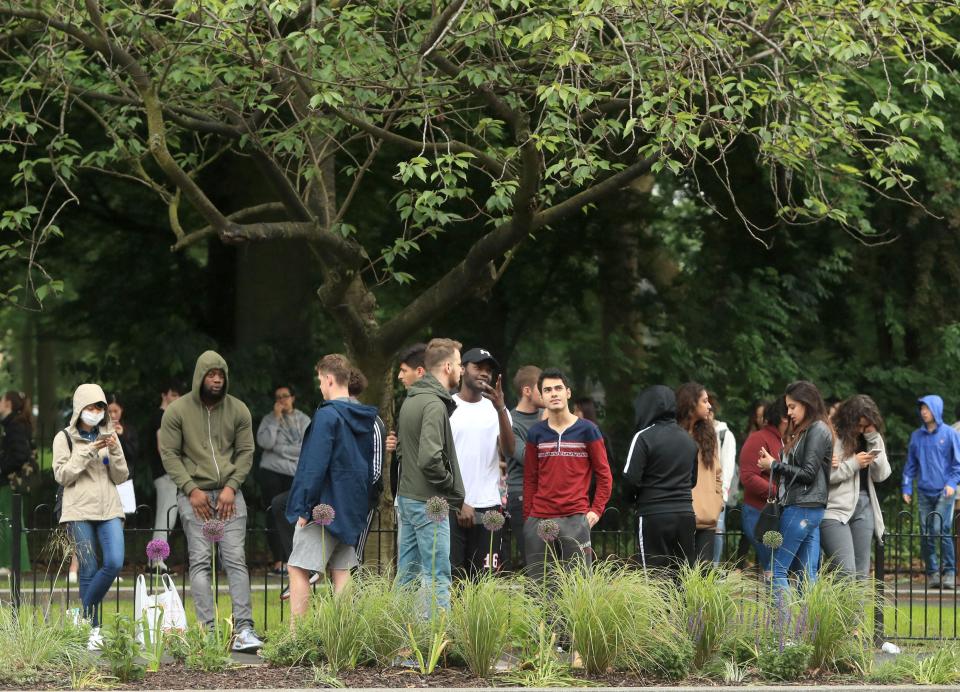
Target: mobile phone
x,y
874,453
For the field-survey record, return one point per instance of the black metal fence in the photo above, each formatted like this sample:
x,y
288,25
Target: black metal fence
x,y
908,608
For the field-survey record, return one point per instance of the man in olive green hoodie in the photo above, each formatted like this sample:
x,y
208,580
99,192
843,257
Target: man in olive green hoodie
x,y
429,469
206,445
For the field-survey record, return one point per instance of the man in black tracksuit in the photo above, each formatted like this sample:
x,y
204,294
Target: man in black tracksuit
x,y
661,470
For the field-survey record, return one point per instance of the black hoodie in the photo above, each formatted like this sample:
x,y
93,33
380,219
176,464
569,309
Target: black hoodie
x,y
661,465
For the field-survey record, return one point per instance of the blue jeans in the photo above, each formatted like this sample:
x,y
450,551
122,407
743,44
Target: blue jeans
x,y
936,521
748,522
424,551
96,579
800,552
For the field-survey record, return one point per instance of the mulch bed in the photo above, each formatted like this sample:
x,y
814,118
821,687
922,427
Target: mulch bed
x,y
175,677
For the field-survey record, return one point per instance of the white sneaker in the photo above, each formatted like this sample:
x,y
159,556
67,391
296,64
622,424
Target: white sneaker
x,y
95,641
4,572
247,641
72,578
118,580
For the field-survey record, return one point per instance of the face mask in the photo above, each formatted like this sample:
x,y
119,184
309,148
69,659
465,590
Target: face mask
x,y
91,419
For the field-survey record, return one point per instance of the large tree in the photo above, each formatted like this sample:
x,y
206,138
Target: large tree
x,y
496,119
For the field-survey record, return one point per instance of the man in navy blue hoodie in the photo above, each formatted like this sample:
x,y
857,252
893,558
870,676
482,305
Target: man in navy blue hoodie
x,y
933,460
334,469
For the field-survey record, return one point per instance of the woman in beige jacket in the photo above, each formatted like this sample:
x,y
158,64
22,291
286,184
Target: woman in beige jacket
x,y
853,515
693,415
88,462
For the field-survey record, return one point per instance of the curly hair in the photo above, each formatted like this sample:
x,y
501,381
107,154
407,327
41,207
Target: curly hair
x,y
702,431
847,420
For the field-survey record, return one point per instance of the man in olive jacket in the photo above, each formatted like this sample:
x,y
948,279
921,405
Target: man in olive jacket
x,y
206,445
429,470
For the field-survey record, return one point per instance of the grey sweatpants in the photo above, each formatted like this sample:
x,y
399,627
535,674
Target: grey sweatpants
x,y
847,546
573,543
231,557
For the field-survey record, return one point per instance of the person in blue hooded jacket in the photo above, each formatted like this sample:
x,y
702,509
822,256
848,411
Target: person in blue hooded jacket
x,y
334,469
933,460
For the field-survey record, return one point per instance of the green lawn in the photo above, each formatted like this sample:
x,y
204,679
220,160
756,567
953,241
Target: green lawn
x,y
267,607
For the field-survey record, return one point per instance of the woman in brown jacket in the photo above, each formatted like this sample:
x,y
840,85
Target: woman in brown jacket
x,y
693,415
89,463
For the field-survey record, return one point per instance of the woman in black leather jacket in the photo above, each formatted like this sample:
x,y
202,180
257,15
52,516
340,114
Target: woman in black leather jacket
x,y
803,478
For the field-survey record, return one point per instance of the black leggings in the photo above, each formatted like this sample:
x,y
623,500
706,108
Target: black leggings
x,y
273,484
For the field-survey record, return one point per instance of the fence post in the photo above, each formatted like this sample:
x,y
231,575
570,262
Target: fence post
x,y
878,573
16,521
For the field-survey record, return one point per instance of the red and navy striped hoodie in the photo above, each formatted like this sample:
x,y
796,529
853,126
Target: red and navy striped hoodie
x,y
557,470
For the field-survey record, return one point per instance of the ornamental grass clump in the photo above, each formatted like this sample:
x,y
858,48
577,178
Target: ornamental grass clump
x,y
385,610
837,609
606,611
31,646
482,613
713,601
340,627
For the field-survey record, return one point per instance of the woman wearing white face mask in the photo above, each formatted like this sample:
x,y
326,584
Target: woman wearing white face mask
x,y
89,463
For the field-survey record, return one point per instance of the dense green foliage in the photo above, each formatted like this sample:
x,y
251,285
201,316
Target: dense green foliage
x,y
738,193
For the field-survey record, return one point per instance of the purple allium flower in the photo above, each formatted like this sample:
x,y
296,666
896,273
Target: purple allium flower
x,y
158,549
548,530
324,514
437,509
492,520
773,539
213,530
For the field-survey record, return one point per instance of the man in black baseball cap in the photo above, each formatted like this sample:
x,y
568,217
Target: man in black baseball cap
x,y
482,429
480,355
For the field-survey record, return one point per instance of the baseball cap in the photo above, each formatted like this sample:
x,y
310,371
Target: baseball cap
x,y
479,355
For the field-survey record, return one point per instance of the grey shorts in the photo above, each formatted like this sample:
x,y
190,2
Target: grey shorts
x,y
315,549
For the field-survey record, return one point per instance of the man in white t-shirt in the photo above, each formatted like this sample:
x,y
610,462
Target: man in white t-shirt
x,y
482,428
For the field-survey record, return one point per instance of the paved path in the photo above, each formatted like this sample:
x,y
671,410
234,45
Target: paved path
x,y
741,688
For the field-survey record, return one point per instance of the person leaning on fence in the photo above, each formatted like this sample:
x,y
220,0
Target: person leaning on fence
x,y
853,514
330,495
165,518
16,468
280,436
659,477
933,460
563,455
206,443
88,463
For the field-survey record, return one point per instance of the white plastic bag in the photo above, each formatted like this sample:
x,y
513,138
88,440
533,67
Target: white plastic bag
x,y
163,609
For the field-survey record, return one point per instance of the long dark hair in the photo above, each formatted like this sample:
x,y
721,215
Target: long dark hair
x,y
847,420
702,431
807,394
752,418
20,407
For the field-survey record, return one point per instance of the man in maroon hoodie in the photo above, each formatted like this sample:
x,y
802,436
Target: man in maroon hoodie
x,y
756,483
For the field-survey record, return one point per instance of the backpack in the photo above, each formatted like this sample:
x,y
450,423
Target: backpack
x,y
58,502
